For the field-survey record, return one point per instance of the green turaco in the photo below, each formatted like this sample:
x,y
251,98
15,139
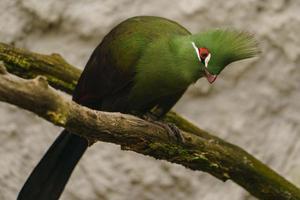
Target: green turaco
x,y
142,67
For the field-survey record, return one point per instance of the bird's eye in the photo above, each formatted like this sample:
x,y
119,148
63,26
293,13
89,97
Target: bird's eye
x,y
204,56
203,52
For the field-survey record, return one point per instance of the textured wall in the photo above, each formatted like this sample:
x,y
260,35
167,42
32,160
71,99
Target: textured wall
x,y
254,104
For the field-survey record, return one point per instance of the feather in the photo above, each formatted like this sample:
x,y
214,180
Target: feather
x,y
226,46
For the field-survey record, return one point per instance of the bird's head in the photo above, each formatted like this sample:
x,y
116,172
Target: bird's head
x,y
216,49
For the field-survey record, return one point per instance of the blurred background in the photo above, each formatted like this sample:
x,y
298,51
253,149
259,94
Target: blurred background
x,y
254,104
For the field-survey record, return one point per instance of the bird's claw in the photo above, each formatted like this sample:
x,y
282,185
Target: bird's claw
x,y
174,132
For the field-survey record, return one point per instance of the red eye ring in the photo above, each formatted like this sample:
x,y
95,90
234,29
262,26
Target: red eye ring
x,y
203,52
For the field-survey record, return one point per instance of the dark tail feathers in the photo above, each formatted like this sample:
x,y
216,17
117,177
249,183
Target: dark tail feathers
x,y
49,177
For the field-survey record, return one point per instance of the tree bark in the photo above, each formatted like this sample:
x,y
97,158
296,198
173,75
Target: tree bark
x,y
201,150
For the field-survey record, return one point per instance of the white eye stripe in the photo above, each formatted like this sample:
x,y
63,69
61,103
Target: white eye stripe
x,y
206,61
197,51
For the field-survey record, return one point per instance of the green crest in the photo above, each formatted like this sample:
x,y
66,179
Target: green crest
x,y
226,46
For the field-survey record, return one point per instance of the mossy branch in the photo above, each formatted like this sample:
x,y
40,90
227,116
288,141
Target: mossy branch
x,y
201,151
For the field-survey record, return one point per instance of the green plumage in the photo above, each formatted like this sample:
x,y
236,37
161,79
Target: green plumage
x,y
226,46
148,62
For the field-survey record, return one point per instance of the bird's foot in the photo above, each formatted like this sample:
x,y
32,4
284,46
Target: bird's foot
x,y
173,131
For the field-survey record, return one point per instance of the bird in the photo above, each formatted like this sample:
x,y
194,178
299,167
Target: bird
x,y
142,67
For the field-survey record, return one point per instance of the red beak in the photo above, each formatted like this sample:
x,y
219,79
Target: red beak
x,y
210,77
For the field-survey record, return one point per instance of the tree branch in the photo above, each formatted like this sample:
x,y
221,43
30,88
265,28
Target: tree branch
x,y
202,151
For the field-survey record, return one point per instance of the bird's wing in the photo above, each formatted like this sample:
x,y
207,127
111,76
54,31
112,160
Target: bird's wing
x,y
110,71
101,80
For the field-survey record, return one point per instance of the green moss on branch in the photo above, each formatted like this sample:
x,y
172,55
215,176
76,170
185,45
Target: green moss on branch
x,y
26,64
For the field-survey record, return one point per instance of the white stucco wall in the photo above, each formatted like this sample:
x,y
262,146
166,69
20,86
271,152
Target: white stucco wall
x,y
254,104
